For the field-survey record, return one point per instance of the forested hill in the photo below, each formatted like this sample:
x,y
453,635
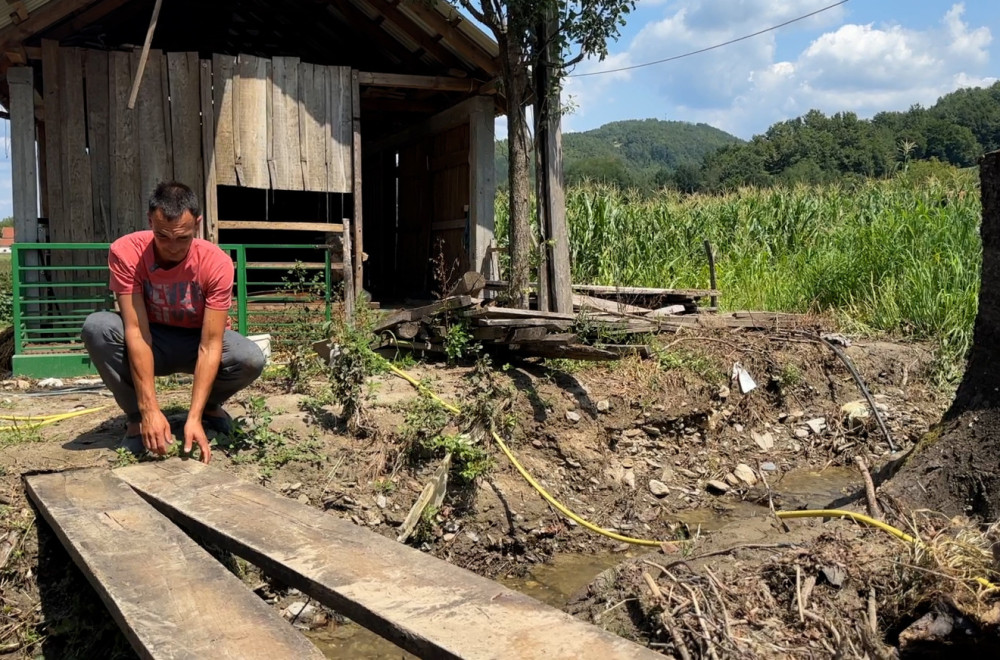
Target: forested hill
x,y
635,153
814,148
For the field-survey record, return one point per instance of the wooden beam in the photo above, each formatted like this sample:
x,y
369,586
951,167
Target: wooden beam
x,y
357,222
429,43
405,81
85,19
482,186
145,54
40,19
457,39
326,227
427,606
24,167
169,596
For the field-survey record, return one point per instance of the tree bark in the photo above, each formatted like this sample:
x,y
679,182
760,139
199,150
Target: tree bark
x,y
519,144
956,468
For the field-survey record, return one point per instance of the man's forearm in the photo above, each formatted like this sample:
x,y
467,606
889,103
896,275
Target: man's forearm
x,y
140,357
205,370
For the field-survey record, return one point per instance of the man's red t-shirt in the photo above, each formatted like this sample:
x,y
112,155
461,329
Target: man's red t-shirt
x,y
177,296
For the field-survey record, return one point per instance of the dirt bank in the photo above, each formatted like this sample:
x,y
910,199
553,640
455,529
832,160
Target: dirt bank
x,y
666,449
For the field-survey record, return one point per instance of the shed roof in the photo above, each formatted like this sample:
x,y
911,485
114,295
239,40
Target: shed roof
x,y
400,36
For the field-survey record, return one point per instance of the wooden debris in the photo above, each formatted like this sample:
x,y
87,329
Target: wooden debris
x,y
669,310
589,302
419,313
432,494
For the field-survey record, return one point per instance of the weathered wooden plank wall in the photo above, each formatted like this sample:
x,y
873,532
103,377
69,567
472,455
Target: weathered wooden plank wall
x,y
272,124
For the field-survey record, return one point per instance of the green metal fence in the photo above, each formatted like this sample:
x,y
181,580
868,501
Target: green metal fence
x,y
57,285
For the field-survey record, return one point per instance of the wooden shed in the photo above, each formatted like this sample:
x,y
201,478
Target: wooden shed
x,y
292,118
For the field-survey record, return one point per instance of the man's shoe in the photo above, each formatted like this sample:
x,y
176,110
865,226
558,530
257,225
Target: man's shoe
x,y
133,443
221,426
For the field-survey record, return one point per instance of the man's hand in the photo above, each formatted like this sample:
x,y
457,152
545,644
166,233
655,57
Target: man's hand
x,y
156,434
194,432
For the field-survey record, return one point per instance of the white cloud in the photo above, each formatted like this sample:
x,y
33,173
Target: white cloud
x,y
745,87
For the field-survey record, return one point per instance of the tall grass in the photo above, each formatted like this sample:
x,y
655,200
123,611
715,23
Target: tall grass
x,y
900,256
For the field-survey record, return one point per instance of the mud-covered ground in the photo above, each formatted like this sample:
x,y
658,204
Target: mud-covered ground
x,y
666,449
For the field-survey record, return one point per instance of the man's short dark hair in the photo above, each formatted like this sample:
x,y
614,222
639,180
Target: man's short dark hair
x,y
173,199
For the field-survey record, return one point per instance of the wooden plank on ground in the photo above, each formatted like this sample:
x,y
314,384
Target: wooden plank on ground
x,y
184,78
425,605
644,291
512,313
127,213
417,313
224,97
99,141
312,126
251,121
170,597
155,149
590,302
285,150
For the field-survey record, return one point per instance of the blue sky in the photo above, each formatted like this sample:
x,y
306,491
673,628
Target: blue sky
x,y
863,56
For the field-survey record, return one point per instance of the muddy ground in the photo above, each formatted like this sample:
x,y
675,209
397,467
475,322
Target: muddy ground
x,y
668,449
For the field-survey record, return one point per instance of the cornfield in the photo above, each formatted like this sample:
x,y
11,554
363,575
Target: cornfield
x,y
895,257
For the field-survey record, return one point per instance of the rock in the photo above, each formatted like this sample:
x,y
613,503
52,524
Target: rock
x,y
449,537
764,440
629,479
794,416
667,475
835,575
723,393
658,488
573,416
304,499
717,487
603,406
817,425
738,428
299,611
628,463
633,433
296,486
769,467
801,433
53,383
381,501
537,444
732,480
652,431
573,463
745,474
684,472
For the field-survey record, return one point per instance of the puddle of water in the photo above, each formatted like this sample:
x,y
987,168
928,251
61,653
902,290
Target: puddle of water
x,y
818,488
349,640
555,582
711,519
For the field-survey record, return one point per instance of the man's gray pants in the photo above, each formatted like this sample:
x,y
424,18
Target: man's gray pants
x,y
175,351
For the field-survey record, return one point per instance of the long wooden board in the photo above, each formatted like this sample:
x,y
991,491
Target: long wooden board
x,y
425,605
170,597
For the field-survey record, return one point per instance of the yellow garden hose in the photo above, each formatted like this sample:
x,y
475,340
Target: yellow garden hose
x,y
818,513
38,421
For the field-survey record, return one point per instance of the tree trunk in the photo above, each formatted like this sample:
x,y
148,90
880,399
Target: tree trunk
x,y
956,468
519,144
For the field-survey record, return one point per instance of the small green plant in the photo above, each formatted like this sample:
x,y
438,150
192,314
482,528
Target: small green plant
x,y
469,460
124,457
459,342
384,486
790,375
18,434
256,442
684,360
353,361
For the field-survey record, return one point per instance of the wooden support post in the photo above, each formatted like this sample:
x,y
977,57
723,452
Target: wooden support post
x,y
349,295
24,168
714,300
210,225
144,55
358,257
551,195
482,186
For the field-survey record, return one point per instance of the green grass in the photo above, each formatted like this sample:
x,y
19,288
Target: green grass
x,y
899,257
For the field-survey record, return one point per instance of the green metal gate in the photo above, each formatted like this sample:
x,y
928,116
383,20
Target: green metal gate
x,y
52,299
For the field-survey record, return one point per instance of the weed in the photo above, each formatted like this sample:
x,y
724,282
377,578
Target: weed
x,y
469,459
18,434
458,341
124,457
489,404
352,362
384,486
790,375
685,360
256,442
565,366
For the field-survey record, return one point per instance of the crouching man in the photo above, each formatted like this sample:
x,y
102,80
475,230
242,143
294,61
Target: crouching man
x,y
174,292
